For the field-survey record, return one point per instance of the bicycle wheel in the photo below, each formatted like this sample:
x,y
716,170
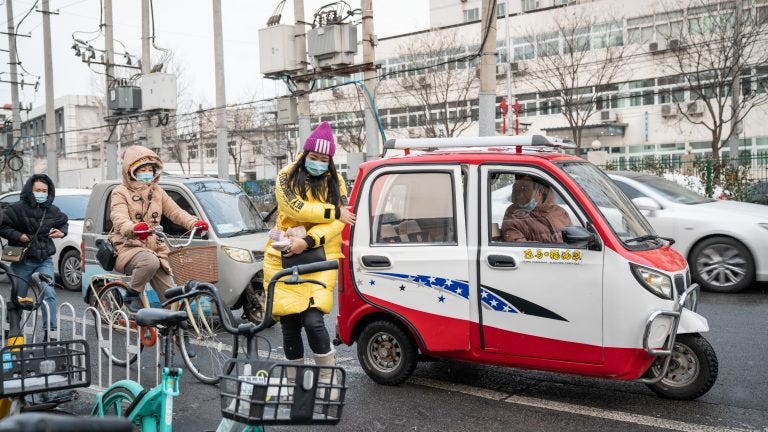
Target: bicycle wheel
x,y
211,342
15,163
115,401
109,302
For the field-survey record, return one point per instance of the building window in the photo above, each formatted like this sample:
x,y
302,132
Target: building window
x,y
529,5
501,10
472,15
548,44
607,35
523,49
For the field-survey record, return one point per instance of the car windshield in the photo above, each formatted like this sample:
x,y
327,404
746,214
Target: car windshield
x,y
672,191
72,205
625,220
229,209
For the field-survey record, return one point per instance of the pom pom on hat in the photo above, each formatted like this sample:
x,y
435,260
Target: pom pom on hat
x,y
321,140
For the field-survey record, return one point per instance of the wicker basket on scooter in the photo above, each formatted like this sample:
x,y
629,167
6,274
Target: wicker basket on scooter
x,y
194,263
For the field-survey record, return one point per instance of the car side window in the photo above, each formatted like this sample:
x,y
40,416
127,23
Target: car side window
x,y
527,208
628,190
169,227
410,208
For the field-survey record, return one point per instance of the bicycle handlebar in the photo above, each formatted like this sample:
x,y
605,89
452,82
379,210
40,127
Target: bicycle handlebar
x,y
248,329
159,232
44,422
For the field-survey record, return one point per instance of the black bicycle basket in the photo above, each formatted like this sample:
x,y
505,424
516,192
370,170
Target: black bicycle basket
x,y
266,393
42,367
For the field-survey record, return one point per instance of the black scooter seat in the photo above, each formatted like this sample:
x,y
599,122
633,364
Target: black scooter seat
x,y
150,317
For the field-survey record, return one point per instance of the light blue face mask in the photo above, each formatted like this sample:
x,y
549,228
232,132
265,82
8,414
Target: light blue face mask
x,y
145,177
530,205
40,197
315,168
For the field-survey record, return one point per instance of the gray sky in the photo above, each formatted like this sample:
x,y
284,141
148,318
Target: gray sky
x,y
183,26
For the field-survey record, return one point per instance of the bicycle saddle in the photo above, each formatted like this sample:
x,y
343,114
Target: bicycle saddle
x,y
150,317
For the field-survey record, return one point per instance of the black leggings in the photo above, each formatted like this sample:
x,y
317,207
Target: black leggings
x,y
317,335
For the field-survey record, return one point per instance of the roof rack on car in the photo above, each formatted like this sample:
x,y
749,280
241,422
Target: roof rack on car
x,y
518,141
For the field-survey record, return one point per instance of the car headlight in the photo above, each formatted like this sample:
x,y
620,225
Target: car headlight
x,y
237,254
657,283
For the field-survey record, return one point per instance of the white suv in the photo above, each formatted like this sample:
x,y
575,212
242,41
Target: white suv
x,y
67,258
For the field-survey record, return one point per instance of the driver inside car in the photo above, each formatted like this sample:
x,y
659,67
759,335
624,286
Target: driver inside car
x,y
533,215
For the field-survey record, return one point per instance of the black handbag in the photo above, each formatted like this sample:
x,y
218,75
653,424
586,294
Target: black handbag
x,y
308,256
105,254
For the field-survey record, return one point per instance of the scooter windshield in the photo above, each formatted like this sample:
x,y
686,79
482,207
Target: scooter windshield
x,y
625,219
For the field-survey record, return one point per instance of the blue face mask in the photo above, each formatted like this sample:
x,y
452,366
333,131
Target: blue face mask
x,y
315,168
40,197
145,177
530,205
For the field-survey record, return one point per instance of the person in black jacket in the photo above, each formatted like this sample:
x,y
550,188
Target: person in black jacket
x,y
33,222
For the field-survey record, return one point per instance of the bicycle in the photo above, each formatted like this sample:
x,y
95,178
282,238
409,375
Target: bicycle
x,y
32,369
285,394
43,422
12,158
258,392
204,316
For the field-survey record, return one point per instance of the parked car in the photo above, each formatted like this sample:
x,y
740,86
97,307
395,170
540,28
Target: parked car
x,y
757,192
67,258
725,242
236,229
591,290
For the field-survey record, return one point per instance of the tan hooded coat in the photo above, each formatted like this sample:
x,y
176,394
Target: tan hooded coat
x,y
133,202
543,224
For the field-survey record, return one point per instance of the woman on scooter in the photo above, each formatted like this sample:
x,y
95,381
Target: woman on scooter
x,y
310,193
137,206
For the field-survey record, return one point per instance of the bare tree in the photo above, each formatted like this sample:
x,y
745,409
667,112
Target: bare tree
x,y
432,86
719,47
574,59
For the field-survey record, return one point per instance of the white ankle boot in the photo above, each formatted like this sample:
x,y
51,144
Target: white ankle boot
x,y
326,374
290,375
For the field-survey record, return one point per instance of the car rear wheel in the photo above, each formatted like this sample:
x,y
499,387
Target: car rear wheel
x,y
386,352
69,270
722,264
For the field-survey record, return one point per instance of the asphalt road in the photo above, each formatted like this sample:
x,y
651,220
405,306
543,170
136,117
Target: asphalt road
x,y
452,396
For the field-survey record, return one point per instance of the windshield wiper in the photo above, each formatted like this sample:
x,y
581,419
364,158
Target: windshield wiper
x,y
650,237
244,231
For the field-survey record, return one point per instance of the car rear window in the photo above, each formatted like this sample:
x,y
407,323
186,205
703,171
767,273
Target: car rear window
x,y
72,205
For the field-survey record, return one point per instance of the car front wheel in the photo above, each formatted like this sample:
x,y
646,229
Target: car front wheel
x,y
69,270
722,264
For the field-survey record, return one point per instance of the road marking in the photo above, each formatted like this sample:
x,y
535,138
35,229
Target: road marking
x,y
573,408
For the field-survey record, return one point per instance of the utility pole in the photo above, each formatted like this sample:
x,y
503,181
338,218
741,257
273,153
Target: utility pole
x,y
509,57
221,99
109,71
152,133
488,69
369,79
51,141
200,145
16,113
302,87
733,141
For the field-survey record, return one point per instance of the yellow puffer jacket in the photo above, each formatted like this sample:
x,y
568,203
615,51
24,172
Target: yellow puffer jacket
x,y
320,221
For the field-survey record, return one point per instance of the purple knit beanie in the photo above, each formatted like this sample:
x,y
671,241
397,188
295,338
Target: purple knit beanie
x,y
321,140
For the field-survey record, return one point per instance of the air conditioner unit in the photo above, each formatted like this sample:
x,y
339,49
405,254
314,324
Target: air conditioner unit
x,y
422,81
695,108
675,44
657,46
608,116
337,93
518,67
406,82
669,110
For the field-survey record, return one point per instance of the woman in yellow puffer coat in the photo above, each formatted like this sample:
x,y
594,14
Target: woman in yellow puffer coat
x,y
310,193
